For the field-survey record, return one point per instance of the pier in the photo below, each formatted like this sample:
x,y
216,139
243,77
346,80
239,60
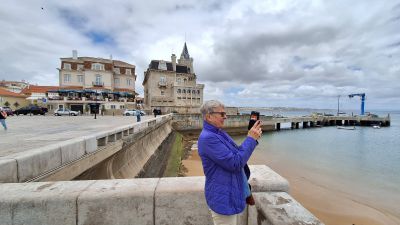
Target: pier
x,y
238,123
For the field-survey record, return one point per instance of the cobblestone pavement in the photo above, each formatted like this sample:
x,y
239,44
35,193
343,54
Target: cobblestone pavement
x,y
28,132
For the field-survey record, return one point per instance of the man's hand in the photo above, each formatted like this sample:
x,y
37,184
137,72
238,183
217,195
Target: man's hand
x,y
256,131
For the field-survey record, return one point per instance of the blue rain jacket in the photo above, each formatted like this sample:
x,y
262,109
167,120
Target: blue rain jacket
x,y
223,163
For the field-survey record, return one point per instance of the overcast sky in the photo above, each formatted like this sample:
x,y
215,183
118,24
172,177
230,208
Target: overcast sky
x,y
247,53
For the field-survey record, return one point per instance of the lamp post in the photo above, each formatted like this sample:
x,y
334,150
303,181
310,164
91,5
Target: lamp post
x,y
96,106
338,97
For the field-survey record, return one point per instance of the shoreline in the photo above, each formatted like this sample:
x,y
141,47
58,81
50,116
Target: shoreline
x,y
330,206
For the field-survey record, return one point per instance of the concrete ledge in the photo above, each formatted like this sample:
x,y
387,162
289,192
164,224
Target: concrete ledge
x,y
27,165
90,144
159,201
264,179
41,203
279,208
38,161
117,202
181,200
72,149
8,170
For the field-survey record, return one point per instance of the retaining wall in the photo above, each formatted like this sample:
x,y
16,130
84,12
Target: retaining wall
x,y
66,160
148,201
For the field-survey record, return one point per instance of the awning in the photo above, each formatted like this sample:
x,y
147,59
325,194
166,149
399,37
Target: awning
x,y
34,98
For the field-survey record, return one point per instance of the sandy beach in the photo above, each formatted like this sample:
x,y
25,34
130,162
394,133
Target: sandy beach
x,y
330,206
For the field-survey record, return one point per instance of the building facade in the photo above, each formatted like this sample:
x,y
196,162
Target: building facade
x,y
85,81
12,99
171,86
14,86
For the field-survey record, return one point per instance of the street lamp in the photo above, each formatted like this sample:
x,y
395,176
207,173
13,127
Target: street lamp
x,y
96,107
338,97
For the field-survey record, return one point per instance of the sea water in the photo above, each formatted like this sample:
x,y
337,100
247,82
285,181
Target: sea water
x,y
363,163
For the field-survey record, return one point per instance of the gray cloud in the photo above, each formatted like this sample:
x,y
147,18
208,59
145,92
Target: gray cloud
x,y
284,53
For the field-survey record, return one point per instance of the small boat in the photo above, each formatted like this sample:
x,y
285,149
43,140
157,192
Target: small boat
x,y
376,127
346,128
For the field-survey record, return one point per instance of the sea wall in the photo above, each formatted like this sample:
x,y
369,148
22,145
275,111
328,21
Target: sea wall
x,y
122,152
234,124
148,201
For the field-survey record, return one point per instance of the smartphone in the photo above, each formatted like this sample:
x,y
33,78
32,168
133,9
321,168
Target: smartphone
x,y
254,116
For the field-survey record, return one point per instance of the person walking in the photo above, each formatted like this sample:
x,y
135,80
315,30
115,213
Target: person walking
x,y
226,187
138,116
3,117
155,112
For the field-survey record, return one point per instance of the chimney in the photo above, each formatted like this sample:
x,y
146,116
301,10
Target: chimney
x,y
173,60
74,54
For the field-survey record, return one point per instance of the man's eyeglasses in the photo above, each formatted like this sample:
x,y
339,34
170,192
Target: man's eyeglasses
x,y
222,114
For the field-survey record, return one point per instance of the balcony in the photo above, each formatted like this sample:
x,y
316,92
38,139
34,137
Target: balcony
x,y
162,84
98,84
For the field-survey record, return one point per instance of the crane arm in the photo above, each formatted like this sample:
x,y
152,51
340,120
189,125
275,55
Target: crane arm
x,y
359,94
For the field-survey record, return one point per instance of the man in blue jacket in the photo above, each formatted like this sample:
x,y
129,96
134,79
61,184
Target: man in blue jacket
x,y
226,186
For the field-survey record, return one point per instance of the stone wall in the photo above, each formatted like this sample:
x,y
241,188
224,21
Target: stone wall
x,y
66,160
148,201
234,124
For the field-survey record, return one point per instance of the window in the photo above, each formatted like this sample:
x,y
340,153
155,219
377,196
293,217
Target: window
x,y
184,91
188,91
128,72
178,80
116,81
198,92
112,106
193,92
67,78
128,82
162,92
162,65
116,70
80,67
80,78
67,66
179,91
162,79
98,79
97,66
122,107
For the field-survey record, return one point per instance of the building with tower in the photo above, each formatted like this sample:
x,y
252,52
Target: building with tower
x,y
171,86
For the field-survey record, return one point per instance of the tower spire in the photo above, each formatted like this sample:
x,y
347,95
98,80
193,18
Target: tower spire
x,y
185,52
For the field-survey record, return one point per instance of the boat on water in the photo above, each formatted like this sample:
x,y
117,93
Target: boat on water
x,y
346,128
376,127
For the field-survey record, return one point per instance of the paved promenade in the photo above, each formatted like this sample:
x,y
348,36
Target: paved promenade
x,y
29,132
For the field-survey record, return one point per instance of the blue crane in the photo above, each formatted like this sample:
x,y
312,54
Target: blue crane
x,y
362,95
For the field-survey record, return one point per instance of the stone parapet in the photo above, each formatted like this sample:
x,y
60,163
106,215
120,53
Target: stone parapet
x,y
40,162
149,201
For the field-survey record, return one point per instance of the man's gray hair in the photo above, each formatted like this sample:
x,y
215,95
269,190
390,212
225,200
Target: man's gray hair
x,y
210,106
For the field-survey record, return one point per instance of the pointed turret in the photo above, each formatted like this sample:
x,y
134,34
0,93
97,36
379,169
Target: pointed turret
x,y
186,59
185,52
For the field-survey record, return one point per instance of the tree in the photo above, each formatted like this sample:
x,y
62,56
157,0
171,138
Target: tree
x,y
16,104
6,104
